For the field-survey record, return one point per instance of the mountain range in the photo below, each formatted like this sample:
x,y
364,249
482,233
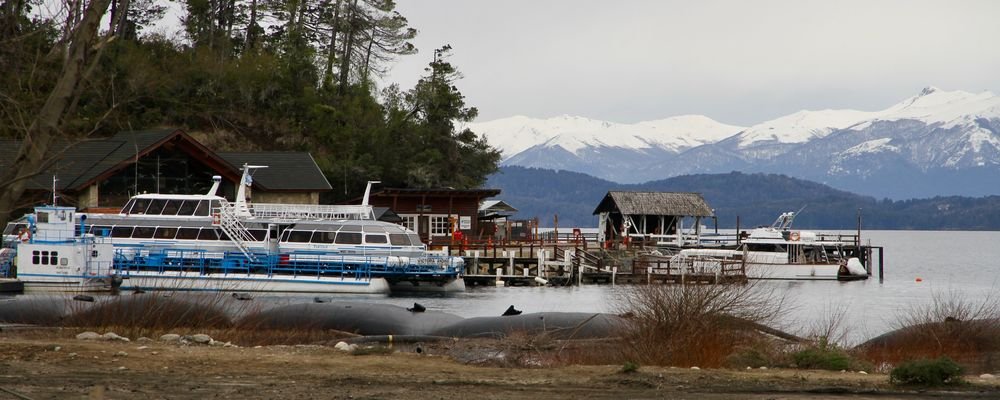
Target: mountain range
x,y
936,143
756,199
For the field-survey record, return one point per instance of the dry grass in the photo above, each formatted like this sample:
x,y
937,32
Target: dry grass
x,y
694,325
950,326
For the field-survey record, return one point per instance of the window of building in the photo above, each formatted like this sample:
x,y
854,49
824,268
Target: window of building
x,y
440,225
409,222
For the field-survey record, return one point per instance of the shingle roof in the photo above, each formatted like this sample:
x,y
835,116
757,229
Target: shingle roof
x,y
80,162
286,170
655,203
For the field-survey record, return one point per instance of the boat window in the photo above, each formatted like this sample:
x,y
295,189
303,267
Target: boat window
x,y
398,239
333,228
43,217
171,207
348,238
202,209
208,234
128,206
374,228
143,232
323,237
223,235
102,230
156,206
13,228
414,239
257,234
352,228
139,207
121,231
299,236
375,239
187,207
165,233
187,233
284,235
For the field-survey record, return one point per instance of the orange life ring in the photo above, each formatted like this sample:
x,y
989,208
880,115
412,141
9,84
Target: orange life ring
x,y
793,236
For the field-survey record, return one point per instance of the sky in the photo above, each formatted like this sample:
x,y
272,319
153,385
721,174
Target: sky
x,y
739,62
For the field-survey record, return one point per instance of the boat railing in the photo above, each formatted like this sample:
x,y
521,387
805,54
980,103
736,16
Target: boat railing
x,y
227,218
310,211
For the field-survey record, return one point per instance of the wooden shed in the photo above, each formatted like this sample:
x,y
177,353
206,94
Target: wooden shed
x,y
435,213
651,217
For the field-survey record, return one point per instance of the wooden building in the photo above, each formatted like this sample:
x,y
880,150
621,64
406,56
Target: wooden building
x,y
103,173
436,213
651,217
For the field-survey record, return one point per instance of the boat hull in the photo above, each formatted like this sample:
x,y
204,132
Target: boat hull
x,y
193,281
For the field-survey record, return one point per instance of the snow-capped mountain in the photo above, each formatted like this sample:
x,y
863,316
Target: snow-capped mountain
x,y
517,134
934,143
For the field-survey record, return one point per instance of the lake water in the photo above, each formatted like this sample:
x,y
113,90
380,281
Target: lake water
x,y
966,264
963,263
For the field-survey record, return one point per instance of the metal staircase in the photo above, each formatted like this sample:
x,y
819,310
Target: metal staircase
x,y
227,218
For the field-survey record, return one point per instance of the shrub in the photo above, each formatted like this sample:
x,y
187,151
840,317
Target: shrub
x,y
829,358
935,372
630,367
693,324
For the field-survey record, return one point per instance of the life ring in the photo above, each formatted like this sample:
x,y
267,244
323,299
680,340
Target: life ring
x,y
793,236
216,219
24,236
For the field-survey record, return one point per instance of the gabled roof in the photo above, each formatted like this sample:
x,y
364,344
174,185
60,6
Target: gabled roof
x,y
79,164
437,192
491,209
655,203
286,170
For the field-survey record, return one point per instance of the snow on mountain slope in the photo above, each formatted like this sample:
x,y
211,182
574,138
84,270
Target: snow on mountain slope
x,y
513,135
802,126
950,108
516,134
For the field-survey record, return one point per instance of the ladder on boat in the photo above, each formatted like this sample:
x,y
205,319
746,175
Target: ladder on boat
x,y
310,211
226,217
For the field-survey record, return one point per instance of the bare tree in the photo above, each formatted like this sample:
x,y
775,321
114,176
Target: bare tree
x,y
83,49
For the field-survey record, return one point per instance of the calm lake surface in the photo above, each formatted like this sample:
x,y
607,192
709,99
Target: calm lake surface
x,y
966,264
948,263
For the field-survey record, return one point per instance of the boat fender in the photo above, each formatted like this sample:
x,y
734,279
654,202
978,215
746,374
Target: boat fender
x,y
855,268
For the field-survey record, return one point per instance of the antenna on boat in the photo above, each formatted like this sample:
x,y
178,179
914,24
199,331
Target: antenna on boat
x,y
368,191
245,181
54,195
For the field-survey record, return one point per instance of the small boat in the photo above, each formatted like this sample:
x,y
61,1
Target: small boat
x,y
51,254
779,252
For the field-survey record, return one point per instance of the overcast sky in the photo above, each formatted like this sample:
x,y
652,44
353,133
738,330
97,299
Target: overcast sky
x,y
740,62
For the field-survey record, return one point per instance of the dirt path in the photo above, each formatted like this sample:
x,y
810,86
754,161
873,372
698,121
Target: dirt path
x,y
31,367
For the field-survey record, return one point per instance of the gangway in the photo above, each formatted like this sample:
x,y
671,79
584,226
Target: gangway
x,y
227,218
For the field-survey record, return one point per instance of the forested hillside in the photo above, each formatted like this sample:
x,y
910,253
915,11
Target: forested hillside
x,y
245,75
756,198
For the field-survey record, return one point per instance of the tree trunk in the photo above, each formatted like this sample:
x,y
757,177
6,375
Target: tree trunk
x,y
332,49
251,39
47,123
345,62
368,55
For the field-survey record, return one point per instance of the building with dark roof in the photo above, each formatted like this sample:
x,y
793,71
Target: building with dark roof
x,y
651,217
436,214
104,173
